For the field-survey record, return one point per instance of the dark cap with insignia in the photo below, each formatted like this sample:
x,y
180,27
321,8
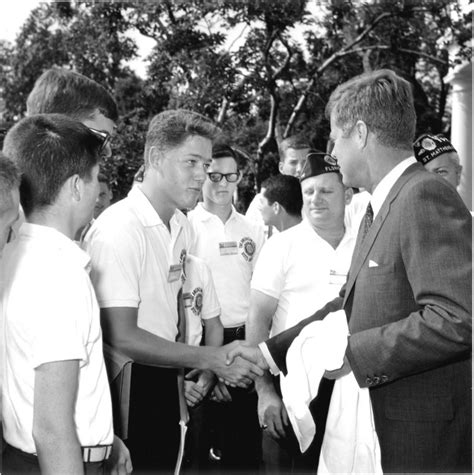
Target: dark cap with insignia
x,y
427,147
318,163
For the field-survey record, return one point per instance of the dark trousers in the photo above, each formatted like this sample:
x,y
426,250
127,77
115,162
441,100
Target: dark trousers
x,y
235,427
153,429
17,462
284,456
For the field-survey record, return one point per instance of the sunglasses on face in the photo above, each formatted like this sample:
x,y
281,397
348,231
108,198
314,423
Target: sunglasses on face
x,y
216,177
105,137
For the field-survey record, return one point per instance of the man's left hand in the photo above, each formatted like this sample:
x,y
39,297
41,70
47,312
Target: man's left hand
x,y
119,462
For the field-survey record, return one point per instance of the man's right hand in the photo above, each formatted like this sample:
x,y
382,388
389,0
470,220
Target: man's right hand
x,y
244,350
238,372
272,414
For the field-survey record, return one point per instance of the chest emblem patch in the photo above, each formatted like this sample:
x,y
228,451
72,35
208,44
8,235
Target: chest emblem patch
x,y
247,247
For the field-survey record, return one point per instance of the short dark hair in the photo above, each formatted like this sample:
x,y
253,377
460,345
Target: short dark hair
x,y
48,149
66,92
9,179
171,128
286,190
296,142
223,150
383,100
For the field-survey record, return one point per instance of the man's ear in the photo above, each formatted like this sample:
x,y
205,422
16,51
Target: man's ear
x,y
280,167
362,133
241,175
154,157
348,194
74,184
277,208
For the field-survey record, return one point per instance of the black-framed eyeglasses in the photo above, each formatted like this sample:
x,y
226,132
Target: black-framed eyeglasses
x,y
216,177
104,136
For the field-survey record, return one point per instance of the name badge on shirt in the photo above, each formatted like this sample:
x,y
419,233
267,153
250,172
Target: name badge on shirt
x,y
174,272
228,248
337,278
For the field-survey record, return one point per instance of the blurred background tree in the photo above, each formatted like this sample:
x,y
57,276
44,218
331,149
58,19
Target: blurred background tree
x,y
262,70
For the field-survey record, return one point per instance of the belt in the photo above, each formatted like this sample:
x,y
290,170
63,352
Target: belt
x,y
98,453
235,333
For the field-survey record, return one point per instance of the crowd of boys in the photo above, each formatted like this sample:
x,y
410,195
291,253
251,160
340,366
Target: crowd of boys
x,y
157,291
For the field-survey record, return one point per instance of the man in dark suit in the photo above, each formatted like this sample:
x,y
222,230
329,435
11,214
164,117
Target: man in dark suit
x,y
408,293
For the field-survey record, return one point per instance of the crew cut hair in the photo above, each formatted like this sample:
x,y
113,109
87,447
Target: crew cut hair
x,y
383,101
286,190
63,91
169,129
9,179
48,149
296,142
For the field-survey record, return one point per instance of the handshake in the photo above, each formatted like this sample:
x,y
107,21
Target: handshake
x,y
238,363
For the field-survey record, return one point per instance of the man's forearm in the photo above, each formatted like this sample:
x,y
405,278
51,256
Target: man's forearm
x,y
148,349
59,453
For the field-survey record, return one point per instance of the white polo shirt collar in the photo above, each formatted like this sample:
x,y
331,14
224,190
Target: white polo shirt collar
x,y
148,215
203,215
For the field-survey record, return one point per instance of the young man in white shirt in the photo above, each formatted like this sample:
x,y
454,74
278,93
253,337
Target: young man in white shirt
x,y
57,407
297,272
230,243
281,202
138,247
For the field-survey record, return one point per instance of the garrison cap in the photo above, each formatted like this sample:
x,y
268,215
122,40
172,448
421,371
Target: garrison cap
x,y
427,147
318,163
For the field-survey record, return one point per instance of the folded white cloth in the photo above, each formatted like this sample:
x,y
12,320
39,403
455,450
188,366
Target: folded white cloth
x,y
320,346
350,443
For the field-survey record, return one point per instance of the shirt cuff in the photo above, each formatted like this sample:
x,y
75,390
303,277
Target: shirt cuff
x,y
269,359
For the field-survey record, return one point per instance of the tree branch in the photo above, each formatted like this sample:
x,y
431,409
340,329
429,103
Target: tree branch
x,y
301,101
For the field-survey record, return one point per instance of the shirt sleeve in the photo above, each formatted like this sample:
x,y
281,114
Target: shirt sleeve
x,y
259,242
210,304
116,265
62,323
268,275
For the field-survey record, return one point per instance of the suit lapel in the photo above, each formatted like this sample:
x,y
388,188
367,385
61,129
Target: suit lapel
x,y
363,246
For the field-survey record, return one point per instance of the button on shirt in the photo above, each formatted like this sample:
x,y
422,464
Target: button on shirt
x,y
302,271
132,252
50,314
230,250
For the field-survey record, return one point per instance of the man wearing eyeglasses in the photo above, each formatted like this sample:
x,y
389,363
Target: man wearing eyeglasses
x,y
230,243
297,271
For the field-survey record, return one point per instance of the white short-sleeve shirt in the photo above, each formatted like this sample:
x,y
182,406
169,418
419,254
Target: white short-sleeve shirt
x,y
302,271
136,261
200,299
50,314
230,250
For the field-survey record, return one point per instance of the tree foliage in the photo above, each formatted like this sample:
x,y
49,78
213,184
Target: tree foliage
x,y
262,70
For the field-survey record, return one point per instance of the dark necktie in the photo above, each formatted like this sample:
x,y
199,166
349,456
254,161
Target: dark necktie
x,y
368,219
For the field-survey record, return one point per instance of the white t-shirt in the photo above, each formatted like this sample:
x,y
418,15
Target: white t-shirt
x,y
136,261
200,299
302,271
230,250
50,314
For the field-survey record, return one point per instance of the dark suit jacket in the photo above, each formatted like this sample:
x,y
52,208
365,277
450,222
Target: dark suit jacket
x,y
408,300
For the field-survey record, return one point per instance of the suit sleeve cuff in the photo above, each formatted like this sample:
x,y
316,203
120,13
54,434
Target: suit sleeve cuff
x,y
269,359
